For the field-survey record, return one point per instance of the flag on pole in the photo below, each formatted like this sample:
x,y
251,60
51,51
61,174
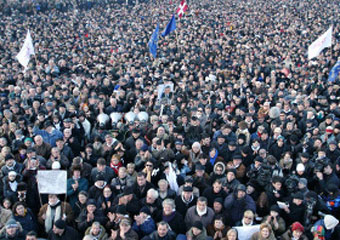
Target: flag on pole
x,y
324,41
170,27
334,73
26,51
182,8
153,42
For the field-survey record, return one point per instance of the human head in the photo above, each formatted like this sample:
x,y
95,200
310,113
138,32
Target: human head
x,y
162,229
265,230
202,204
168,206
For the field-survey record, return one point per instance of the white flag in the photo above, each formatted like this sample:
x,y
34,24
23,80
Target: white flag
x,y
324,41
26,51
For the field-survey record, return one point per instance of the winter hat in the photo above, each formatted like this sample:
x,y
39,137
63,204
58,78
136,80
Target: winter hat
x,y
198,225
298,195
12,173
187,189
303,181
329,129
330,222
11,224
100,177
91,202
56,165
61,224
219,200
297,226
121,209
275,208
300,167
145,210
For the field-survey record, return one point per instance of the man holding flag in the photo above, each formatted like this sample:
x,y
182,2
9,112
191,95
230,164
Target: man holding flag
x,y
26,51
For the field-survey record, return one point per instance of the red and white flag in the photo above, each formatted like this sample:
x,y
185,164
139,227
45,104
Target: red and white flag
x,y
182,8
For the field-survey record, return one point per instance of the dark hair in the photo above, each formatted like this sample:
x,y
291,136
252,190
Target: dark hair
x,y
16,205
32,234
141,174
276,179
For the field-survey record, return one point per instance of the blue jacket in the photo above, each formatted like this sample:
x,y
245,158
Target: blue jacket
x,y
28,222
236,207
73,195
146,228
50,138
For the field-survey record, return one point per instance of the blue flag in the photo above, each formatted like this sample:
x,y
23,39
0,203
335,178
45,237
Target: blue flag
x,y
333,74
153,42
170,27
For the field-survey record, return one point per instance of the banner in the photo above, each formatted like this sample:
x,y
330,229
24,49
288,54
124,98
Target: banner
x,y
52,181
324,41
26,51
245,233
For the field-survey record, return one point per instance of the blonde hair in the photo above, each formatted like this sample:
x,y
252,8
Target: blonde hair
x,y
248,213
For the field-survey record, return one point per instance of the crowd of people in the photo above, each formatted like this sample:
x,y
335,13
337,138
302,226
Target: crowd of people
x,y
230,126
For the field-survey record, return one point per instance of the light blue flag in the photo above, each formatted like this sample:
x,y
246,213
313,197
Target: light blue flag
x,y
170,27
333,74
153,42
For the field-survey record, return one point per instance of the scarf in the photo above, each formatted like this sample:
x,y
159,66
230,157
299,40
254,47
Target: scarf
x,y
53,213
13,185
169,218
201,213
213,159
185,201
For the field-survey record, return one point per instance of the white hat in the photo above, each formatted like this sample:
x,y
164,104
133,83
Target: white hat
x,y
12,173
56,165
330,222
300,167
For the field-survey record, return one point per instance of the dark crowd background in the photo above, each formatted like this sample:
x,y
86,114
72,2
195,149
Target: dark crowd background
x,y
231,125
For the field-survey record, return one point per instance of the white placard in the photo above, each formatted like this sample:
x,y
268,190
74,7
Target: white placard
x,y
52,181
162,87
245,233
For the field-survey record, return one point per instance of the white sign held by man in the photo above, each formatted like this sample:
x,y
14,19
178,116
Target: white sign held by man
x,y
52,182
245,233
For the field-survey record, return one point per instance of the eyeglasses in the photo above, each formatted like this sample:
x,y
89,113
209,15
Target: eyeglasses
x,y
149,165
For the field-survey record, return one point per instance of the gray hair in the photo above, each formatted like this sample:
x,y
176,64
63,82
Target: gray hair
x,y
153,192
169,202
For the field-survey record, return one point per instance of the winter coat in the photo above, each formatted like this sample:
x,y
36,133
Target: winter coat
x,y
146,228
65,209
82,222
154,236
182,206
236,207
5,215
102,235
28,222
280,221
192,216
288,235
73,194
202,236
175,221
68,234
130,235
211,195
19,235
